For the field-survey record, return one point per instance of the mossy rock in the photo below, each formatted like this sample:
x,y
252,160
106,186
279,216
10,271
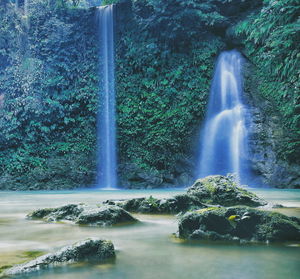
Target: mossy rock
x,y
223,190
239,224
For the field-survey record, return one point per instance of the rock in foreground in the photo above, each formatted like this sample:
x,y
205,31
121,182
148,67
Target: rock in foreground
x,y
80,214
94,250
223,190
239,224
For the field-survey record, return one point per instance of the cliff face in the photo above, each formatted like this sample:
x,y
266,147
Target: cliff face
x,y
266,135
267,138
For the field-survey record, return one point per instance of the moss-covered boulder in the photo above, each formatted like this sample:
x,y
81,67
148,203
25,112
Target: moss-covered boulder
x,y
239,224
95,250
105,215
223,190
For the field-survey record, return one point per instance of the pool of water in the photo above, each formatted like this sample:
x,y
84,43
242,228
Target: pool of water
x,y
144,250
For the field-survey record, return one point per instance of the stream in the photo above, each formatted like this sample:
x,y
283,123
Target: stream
x,y
144,250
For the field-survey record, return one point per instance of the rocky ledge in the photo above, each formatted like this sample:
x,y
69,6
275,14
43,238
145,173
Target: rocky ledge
x,y
242,224
212,190
106,215
94,250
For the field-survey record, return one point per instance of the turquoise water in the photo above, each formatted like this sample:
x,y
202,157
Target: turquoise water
x,y
145,250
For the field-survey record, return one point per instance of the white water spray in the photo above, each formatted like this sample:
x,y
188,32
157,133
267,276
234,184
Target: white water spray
x,y
223,143
107,162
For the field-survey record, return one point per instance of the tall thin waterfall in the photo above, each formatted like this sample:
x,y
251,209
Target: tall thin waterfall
x,y
223,144
106,165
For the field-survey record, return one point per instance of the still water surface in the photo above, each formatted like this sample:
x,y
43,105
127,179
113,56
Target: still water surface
x,y
146,250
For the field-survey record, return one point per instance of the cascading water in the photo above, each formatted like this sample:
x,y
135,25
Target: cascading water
x,y
223,144
106,165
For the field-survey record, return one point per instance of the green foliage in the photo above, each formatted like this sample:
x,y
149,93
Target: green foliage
x,y
49,85
175,23
272,41
162,93
165,51
109,2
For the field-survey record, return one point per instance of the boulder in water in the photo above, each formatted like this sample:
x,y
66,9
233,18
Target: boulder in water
x,y
106,215
223,190
95,250
239,224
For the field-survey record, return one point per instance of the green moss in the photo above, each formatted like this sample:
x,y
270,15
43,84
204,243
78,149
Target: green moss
x,y
153,202
210,187
203,210
32,254
7,260
4,267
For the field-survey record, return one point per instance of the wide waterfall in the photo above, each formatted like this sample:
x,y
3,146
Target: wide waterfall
x,y
106,165
223,144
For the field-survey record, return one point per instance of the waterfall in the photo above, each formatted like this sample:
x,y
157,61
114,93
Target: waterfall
x,y
26,7
106,157
223,143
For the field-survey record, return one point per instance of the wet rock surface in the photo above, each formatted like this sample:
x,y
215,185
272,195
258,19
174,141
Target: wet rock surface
x,y
105,215
223,190
241,224
95,250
